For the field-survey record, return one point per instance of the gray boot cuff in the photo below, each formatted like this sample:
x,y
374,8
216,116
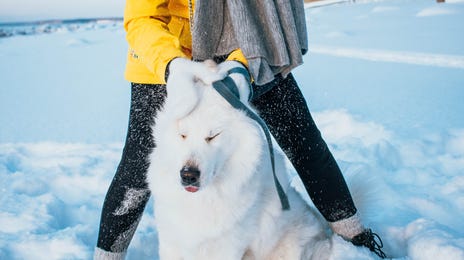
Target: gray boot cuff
x,y
101,254
347,228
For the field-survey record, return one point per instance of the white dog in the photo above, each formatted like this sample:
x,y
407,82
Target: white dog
x,y
214,193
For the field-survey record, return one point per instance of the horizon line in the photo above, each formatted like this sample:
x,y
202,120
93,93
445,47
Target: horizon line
x,y
64,21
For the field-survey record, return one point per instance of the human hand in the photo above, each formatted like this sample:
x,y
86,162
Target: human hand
x,y
185,83
242,81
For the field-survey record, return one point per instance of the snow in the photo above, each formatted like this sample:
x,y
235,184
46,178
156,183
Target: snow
x,y
436,10
447,61
384,80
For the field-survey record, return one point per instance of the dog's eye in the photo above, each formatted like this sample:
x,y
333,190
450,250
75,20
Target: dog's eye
x,y
183,136
211,137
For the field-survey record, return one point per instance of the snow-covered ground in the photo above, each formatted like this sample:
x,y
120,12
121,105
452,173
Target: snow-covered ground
x,y
385,82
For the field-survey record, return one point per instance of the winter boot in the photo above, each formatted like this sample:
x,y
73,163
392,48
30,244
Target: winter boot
x,y
370,240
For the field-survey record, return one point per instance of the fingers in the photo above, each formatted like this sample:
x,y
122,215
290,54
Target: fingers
x,y
228,65
211,64
242,83
208,72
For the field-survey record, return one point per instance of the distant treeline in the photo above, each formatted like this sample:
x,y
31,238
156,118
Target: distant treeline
x,y
50,26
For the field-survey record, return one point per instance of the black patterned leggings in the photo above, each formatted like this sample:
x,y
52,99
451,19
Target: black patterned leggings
x,y
285,111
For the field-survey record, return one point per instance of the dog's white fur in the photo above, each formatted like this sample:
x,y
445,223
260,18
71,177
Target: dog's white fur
x,y
236,213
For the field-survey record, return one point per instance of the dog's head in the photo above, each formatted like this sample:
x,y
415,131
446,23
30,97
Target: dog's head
x,y
213,143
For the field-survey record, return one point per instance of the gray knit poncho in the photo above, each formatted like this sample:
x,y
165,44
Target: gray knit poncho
x,y
271,33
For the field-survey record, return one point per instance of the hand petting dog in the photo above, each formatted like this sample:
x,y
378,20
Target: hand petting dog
x,y
186,80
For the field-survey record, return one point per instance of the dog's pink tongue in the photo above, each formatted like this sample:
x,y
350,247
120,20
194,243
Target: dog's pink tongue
x,y
191,188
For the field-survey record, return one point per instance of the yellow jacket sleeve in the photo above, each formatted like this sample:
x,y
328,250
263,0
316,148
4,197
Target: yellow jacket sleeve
x,y
237,55
148,36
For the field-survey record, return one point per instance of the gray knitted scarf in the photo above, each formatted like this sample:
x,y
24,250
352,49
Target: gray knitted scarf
x,y
271,34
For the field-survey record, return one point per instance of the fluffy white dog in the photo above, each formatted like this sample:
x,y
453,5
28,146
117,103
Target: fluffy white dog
x,y
214,193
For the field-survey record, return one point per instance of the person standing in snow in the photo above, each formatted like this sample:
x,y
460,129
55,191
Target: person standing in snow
x,y
170,39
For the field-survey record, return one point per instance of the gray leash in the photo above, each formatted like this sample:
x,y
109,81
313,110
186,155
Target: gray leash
x,y
229,91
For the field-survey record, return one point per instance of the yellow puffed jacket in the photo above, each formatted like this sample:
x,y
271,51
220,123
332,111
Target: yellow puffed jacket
x,y
157,32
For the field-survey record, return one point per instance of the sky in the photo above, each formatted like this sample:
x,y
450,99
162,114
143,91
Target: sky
x,y
31,10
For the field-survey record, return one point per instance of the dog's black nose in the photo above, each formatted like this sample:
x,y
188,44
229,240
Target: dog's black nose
x,y
190,175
